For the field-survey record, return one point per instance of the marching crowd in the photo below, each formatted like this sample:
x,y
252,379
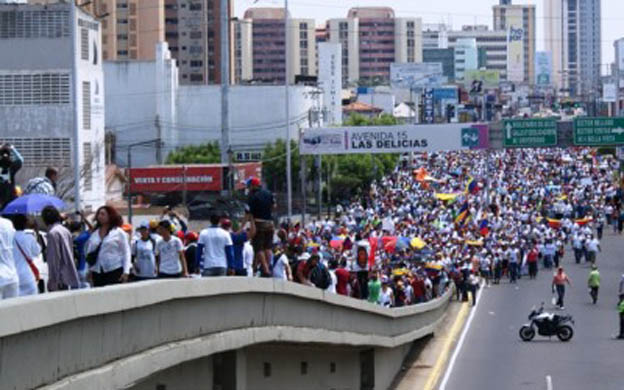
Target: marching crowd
x,y
470,218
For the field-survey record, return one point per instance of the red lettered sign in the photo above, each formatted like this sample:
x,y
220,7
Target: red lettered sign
x,y
175,178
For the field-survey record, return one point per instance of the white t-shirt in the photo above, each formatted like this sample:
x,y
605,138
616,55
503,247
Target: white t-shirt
x,y
169,252
248,257
279,268
145,259
8,273
28,243
214,239
592,245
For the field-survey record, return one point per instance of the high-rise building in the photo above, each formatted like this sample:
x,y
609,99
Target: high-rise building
x,y
446,57
519,22
193,32
466,56
372,39
618,66
52,95
435,36
243,51
130,28
493,42
572,33
268,45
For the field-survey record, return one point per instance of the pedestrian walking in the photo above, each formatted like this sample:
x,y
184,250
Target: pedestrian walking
x,y
621,313
108,249
62,273
593,283
9,281
171,263
558,285
25,250
144,255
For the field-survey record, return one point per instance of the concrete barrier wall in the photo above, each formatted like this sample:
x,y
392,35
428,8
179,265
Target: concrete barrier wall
x,y
112,337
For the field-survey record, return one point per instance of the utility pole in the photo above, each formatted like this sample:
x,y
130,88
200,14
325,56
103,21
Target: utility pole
x,y
225,82
287,93
76,123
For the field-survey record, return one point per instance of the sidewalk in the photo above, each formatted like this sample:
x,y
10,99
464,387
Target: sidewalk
x,y
424,367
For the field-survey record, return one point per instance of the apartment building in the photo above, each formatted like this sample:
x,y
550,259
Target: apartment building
x,y
494,43
372,39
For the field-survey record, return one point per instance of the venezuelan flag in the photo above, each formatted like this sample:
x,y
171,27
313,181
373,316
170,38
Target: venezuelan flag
x,y
554,223
463,214
472,187
583,221
484,228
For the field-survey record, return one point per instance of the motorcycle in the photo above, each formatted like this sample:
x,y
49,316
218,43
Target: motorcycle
x,y
547,324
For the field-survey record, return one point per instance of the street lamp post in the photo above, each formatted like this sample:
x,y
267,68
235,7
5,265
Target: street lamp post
x,y
287,107
128,190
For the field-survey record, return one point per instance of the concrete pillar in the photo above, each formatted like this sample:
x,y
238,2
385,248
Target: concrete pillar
x,y
241,369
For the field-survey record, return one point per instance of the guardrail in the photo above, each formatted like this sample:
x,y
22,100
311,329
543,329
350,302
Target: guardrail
x,y
112,337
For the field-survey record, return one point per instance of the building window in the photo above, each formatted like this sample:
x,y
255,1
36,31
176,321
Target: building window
x,y
195,35
34,24
87,166
122,52
39,152
84,44
35,88
195,7
86,105
267,369
197,77
196,64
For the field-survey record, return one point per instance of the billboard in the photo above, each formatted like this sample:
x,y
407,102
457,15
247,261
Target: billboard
x,y
175,178
543,68
515,48
609,93
330,80
416,75
386,139
489,78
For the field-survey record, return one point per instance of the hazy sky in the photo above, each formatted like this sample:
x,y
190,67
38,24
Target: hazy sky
x,y
455,12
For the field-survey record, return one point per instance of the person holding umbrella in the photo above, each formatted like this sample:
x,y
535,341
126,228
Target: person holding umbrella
x,y
62,274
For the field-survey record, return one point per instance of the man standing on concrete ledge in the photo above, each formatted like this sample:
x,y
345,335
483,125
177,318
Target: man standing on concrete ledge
x,y
261,204
9,282
214,249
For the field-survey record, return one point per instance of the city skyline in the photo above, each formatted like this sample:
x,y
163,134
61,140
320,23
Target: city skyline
x,y
453,12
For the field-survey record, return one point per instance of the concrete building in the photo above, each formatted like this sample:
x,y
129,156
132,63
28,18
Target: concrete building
x,y
618,66
572,33
510,17
446,57
268,46
493,42
466,56
193,31
372,39
435,36
243,51
52,95
189,115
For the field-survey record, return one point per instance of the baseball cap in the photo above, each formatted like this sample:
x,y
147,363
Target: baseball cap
x,y
143,225
226,223
253,182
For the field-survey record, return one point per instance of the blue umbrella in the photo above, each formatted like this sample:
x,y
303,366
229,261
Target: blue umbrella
x,y
32,204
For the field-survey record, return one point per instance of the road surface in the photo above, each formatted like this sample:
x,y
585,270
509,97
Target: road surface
x,y
493,357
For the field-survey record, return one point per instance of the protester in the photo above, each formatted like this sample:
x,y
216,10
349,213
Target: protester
x,y
9,280
43,185
593,283
237,267
621,311
10,163
170,261
25,249
190,252
261,204
108,249
143,251
558,285
62,273
214,249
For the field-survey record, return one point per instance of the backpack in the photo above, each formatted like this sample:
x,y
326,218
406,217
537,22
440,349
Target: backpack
x,y
320,277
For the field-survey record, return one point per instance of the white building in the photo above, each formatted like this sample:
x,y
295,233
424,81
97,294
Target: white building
x,y
435,36
52,95
572,33
493,42
145,102
466,56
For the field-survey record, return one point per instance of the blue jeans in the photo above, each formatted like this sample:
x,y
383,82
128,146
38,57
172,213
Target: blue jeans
x,y
214,271
513,272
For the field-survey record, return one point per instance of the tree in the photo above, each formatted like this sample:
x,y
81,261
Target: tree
x,y
209,153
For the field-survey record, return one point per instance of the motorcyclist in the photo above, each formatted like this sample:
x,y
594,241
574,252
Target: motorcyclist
x,y
593,283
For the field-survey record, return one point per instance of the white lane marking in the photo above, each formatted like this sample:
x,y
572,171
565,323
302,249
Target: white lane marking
x,y
549,385
447,374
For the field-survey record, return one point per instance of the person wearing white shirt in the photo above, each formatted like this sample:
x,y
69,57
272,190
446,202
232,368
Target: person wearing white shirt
x,y
9,281
281,267
214,249
144,254
171,262
110,244
25,249
248,257
593,247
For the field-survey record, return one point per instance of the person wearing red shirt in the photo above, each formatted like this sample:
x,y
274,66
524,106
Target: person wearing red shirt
x,y
418,285
342,278
532,257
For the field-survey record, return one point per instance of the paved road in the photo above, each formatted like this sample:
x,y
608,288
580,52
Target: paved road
x,y
493,357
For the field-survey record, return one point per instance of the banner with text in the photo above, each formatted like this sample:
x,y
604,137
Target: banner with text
x,y
388,139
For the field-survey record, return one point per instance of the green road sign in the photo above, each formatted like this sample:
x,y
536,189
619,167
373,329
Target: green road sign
x,y
530,133
470,137
598,131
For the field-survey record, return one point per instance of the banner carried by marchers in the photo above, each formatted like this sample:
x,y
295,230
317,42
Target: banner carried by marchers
x,y
388,139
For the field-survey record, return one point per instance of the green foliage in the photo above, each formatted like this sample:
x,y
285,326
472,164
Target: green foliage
x,y
361,120
209,153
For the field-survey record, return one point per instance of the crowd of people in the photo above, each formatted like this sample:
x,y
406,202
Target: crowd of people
x,y
468,218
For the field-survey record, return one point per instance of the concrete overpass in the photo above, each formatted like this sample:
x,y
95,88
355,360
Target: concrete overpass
x,y
229,333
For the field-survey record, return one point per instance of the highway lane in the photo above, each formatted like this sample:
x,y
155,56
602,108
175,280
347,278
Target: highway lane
x,y
493,357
